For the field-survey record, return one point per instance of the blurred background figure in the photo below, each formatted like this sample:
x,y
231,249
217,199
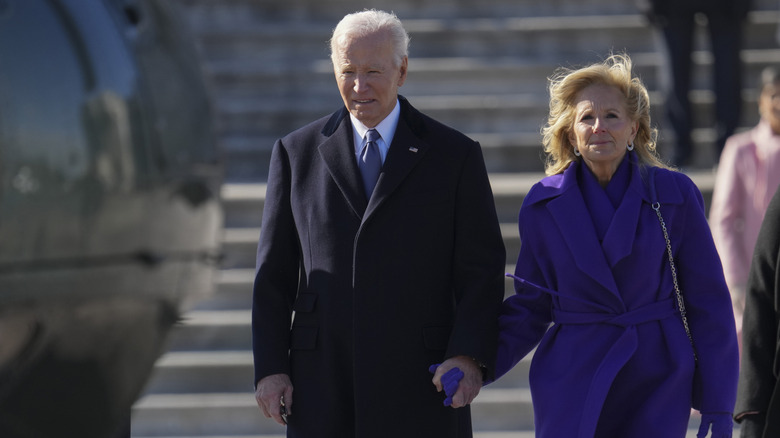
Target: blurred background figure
x,y
675,21
748,175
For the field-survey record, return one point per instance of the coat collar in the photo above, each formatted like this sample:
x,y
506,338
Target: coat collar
x,y
565,202
571,216
619,242
405,152
666,188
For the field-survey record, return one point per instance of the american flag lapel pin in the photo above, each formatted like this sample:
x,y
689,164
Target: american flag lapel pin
x,y
413,149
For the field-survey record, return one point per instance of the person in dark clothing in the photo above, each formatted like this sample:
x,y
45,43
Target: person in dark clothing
x,y
675,21
758,396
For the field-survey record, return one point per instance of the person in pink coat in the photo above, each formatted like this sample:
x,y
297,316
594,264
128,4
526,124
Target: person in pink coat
x,y
748,175
595,291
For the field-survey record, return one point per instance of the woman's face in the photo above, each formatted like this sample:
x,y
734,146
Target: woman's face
x,y
602,128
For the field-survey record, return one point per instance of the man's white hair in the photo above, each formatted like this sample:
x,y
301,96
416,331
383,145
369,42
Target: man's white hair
x,y
368,22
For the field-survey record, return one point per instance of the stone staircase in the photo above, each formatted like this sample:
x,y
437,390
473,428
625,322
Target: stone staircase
x,y
478,66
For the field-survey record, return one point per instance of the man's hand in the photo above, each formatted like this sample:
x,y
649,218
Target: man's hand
x,y
274,392
469,385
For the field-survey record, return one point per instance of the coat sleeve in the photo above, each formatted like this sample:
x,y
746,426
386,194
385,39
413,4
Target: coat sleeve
x,y
525,316
708,306
479,259
276,272
758,378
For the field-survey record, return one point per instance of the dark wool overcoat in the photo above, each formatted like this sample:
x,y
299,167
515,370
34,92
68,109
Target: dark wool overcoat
x,y
759,390
616,361
379,289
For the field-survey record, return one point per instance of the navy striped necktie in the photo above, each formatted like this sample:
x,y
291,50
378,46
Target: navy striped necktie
x,y
370,162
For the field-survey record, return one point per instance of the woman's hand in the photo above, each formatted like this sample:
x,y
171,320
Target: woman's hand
x,y
721,425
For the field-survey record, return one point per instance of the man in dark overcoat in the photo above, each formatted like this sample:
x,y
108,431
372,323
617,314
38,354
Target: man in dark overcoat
x,y
758,396
358,290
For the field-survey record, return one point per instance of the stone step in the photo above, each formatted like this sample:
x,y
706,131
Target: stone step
x,y
237,413
206,372
692,432
553,38
219,331
239,247
233,291
692,429
209,371
312,80
501,411
196,414
205,14
225,13
526,434
243,204
477,434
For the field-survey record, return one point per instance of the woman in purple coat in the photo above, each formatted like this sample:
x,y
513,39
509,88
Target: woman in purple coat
x,y
595,292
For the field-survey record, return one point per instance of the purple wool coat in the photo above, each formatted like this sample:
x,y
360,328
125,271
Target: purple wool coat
x,y
613,358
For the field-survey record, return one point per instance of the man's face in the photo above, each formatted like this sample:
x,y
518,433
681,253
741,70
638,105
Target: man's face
x,y
368,76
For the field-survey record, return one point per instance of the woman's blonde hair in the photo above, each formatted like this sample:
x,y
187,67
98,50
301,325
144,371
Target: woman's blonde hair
x,y
565,86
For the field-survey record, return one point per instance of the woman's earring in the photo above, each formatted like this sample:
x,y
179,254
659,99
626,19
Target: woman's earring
x,y
576,151
630,146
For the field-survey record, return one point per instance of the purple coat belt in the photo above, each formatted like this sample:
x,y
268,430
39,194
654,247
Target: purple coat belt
x,y
618,355
621,350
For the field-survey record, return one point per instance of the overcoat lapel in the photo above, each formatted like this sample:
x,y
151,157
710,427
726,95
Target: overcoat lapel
x,y
572,218
337,151
621,235
405,152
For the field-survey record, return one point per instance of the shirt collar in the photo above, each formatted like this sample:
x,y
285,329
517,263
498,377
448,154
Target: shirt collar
x,y
386,129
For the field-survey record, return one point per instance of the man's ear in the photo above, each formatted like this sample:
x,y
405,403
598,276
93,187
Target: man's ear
x,y
404,67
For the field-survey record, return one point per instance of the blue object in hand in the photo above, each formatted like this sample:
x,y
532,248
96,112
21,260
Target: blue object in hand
x,y
449,381
721,425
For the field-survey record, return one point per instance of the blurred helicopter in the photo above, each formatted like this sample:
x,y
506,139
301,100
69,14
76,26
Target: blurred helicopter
x,y
110,217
